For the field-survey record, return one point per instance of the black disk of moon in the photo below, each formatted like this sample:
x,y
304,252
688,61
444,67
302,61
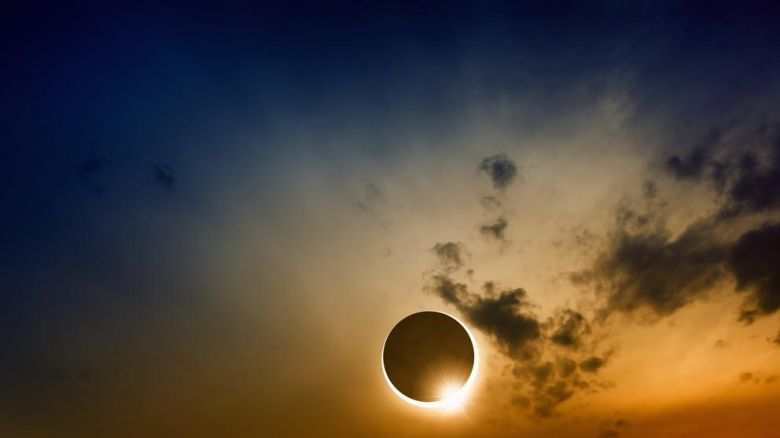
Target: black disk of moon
x,y
426,352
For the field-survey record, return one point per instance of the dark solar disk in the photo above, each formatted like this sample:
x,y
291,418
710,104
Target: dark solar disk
x,y
426,352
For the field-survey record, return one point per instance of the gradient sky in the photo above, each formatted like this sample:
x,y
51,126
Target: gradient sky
x,y
214,214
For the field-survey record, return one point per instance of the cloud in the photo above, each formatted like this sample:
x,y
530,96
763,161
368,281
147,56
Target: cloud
x,y
548,385
748,176
756,187
777,338
755,262
451,255
690,166
612,430
546,378
571,327
567,366
552,396
501,170
649,269
745,377
592,364
748,179
495,230
758,378
644,266
164,176
504,316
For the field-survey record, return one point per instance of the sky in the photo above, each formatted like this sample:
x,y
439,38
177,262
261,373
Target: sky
x,y
213,214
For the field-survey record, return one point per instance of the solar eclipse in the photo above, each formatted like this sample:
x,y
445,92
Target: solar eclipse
x,y
430,360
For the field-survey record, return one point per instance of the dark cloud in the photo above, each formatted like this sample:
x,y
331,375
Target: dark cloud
x,y
777,338
592,364
695,163
504,316
567,366
756,187
650,269
552,396
690,166
757,378
746,377
612,430
495,230
755,262
164,176
546,376
645,267
540,374
571,327
749,178
720,176
548,385
750,183
451,292
451,255
501,170
522,401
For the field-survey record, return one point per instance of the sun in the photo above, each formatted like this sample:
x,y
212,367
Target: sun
x,y
452,398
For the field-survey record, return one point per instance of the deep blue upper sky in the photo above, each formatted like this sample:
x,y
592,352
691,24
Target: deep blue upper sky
x,y
95,97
